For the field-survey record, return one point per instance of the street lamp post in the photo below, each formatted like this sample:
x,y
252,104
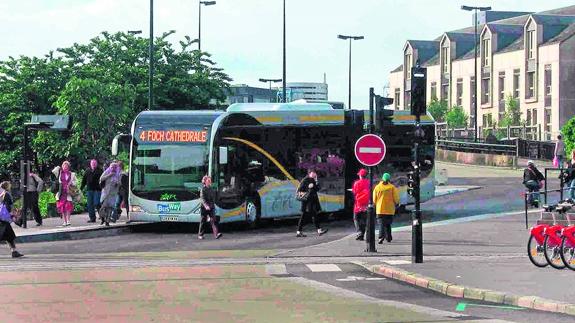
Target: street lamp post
x,y
151,59
284,85
350,39
475,9
270,81
205,3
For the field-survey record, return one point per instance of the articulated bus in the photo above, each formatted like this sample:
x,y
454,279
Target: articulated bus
x,y
256,155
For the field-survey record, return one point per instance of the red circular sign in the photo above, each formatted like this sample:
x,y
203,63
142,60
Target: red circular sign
x,y
370,150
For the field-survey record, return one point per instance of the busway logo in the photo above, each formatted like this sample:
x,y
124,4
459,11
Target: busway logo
x,y
169,207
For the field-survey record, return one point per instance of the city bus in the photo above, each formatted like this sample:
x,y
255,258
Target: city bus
x,y
256,154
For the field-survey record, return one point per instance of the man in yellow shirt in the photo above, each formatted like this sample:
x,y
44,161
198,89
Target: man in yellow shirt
x,y
385,198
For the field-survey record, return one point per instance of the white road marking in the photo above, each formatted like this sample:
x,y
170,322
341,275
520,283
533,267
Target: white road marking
x,y
397,262
356,278
370,150
318,268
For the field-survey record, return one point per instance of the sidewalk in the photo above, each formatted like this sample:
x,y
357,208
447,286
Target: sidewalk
x,y
484,257
51,229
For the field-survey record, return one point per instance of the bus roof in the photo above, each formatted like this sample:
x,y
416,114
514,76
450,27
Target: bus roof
x,y
171,117
295,106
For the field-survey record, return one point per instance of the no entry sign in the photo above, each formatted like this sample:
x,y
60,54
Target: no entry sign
x,y
370,150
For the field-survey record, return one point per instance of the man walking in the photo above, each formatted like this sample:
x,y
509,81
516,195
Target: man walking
x,y
385,198
91,180
360,192
122,194
35,185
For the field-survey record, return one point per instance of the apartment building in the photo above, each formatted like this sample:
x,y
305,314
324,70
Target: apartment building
x,y
530,56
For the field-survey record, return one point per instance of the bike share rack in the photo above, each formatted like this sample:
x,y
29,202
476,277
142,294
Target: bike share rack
x,y
552,239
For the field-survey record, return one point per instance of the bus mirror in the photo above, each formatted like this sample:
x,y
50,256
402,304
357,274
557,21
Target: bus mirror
x,y
223,155
115,146
116,142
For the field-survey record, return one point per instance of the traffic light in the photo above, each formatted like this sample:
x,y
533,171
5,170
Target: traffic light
x,y
418,90
411,183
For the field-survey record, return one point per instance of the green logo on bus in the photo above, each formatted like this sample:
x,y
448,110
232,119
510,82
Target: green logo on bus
x,y
168,197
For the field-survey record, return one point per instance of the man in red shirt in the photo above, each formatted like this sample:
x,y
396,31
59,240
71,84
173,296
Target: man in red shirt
x,y
360,191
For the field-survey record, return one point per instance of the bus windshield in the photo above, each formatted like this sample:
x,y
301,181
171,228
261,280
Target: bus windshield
x,y
168,172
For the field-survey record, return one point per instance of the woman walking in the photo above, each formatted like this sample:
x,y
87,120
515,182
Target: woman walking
x,y
207,208
386,199
310,206
66,183
110,181
360,192
6,232
560,151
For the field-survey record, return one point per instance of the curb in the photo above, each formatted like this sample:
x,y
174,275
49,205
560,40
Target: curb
x,y
82,233
459,291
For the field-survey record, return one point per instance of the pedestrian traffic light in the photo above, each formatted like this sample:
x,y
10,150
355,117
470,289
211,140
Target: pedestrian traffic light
x,y
418,90
411,183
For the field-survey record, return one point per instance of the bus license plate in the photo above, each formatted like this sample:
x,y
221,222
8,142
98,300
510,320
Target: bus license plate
x,y
170,218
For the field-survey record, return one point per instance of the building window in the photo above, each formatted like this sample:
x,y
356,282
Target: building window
x,y
530,86
396,98
531,44
407,103
433,90
487,120
534,117
485,51
472,100
516,74
547,123
445,92
445,59
459,98
547,81
528,119
408,66
485,89
501,91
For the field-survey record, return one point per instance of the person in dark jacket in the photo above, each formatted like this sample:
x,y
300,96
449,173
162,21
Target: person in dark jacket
x,y
6,232
311,206
570,176
208,208
122,194
91,180
532,179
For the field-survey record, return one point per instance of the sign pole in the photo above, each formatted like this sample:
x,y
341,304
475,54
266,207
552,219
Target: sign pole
x,y
370,208
416,229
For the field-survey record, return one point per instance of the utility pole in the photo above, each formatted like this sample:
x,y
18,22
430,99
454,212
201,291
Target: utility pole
x,y
284,79
371,209
151,59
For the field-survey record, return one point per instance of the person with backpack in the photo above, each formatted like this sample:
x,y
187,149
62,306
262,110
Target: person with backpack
x,y
307,194
360,190
533,181
386,199
91,180
6,232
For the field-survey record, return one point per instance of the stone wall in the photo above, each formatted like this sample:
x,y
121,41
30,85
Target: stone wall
x,y
475,159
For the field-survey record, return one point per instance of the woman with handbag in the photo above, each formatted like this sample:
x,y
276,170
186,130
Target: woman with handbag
x,y
68,191
110,182
310,206
6,232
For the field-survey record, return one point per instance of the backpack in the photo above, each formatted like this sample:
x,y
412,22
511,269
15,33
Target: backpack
x,y
55,183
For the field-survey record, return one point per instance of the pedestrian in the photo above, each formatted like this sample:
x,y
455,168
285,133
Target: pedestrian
x,y
310,206
385,198
6,232
570,176
34,186
560,151
207,208
122,194
110,181
91,181
533,181
360,192
67,185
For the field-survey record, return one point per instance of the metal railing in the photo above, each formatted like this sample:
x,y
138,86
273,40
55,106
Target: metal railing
x,y
477,147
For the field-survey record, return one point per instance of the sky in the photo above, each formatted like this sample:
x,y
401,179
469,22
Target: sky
x,y
245,36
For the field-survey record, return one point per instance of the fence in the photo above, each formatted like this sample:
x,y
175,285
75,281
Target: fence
x,y
442,130
514,147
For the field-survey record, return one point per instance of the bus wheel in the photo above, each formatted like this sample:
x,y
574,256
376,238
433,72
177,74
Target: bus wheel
x,y
252,213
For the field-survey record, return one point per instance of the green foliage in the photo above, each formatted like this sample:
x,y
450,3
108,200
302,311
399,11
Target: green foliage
x,y
103,85
512,115
456,117
568,132
44,198
438,109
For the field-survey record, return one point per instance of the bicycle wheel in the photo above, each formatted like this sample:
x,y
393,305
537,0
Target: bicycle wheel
x,y
567,254
535,252
553,254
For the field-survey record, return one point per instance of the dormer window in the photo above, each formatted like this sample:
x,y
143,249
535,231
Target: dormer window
x,y
408,65
531,43
486,51
445,58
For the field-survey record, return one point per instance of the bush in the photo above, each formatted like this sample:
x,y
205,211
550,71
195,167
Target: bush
x,y
568,132
456,117
43,200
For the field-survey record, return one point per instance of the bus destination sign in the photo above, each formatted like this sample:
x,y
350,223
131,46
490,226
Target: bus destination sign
x,y
173,136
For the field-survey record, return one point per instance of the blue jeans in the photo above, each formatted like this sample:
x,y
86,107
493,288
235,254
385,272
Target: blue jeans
x,y
533,186
93,199
572,190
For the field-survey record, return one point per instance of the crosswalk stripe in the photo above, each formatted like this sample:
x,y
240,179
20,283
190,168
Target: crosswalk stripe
x,y
323,267
397,262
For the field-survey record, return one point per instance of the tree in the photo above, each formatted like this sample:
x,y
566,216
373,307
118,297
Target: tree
x,y
438,109
568,132
456,117
512,116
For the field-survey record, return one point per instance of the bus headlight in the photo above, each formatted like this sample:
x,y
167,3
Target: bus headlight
x,y
136,208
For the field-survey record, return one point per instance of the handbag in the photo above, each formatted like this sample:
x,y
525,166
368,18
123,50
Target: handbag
x,y
5,215
16,215
555,162
302,196
75,193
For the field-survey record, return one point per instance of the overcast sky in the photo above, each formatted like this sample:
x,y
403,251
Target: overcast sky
x,y
245,36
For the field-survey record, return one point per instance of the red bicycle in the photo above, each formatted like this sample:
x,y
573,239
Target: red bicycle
x,y
552,244
535,244
568,247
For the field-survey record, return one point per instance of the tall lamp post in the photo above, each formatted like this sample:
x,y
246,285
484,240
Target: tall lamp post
x,y
350,39
284,85
151,59
475,103
270,81
205,3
